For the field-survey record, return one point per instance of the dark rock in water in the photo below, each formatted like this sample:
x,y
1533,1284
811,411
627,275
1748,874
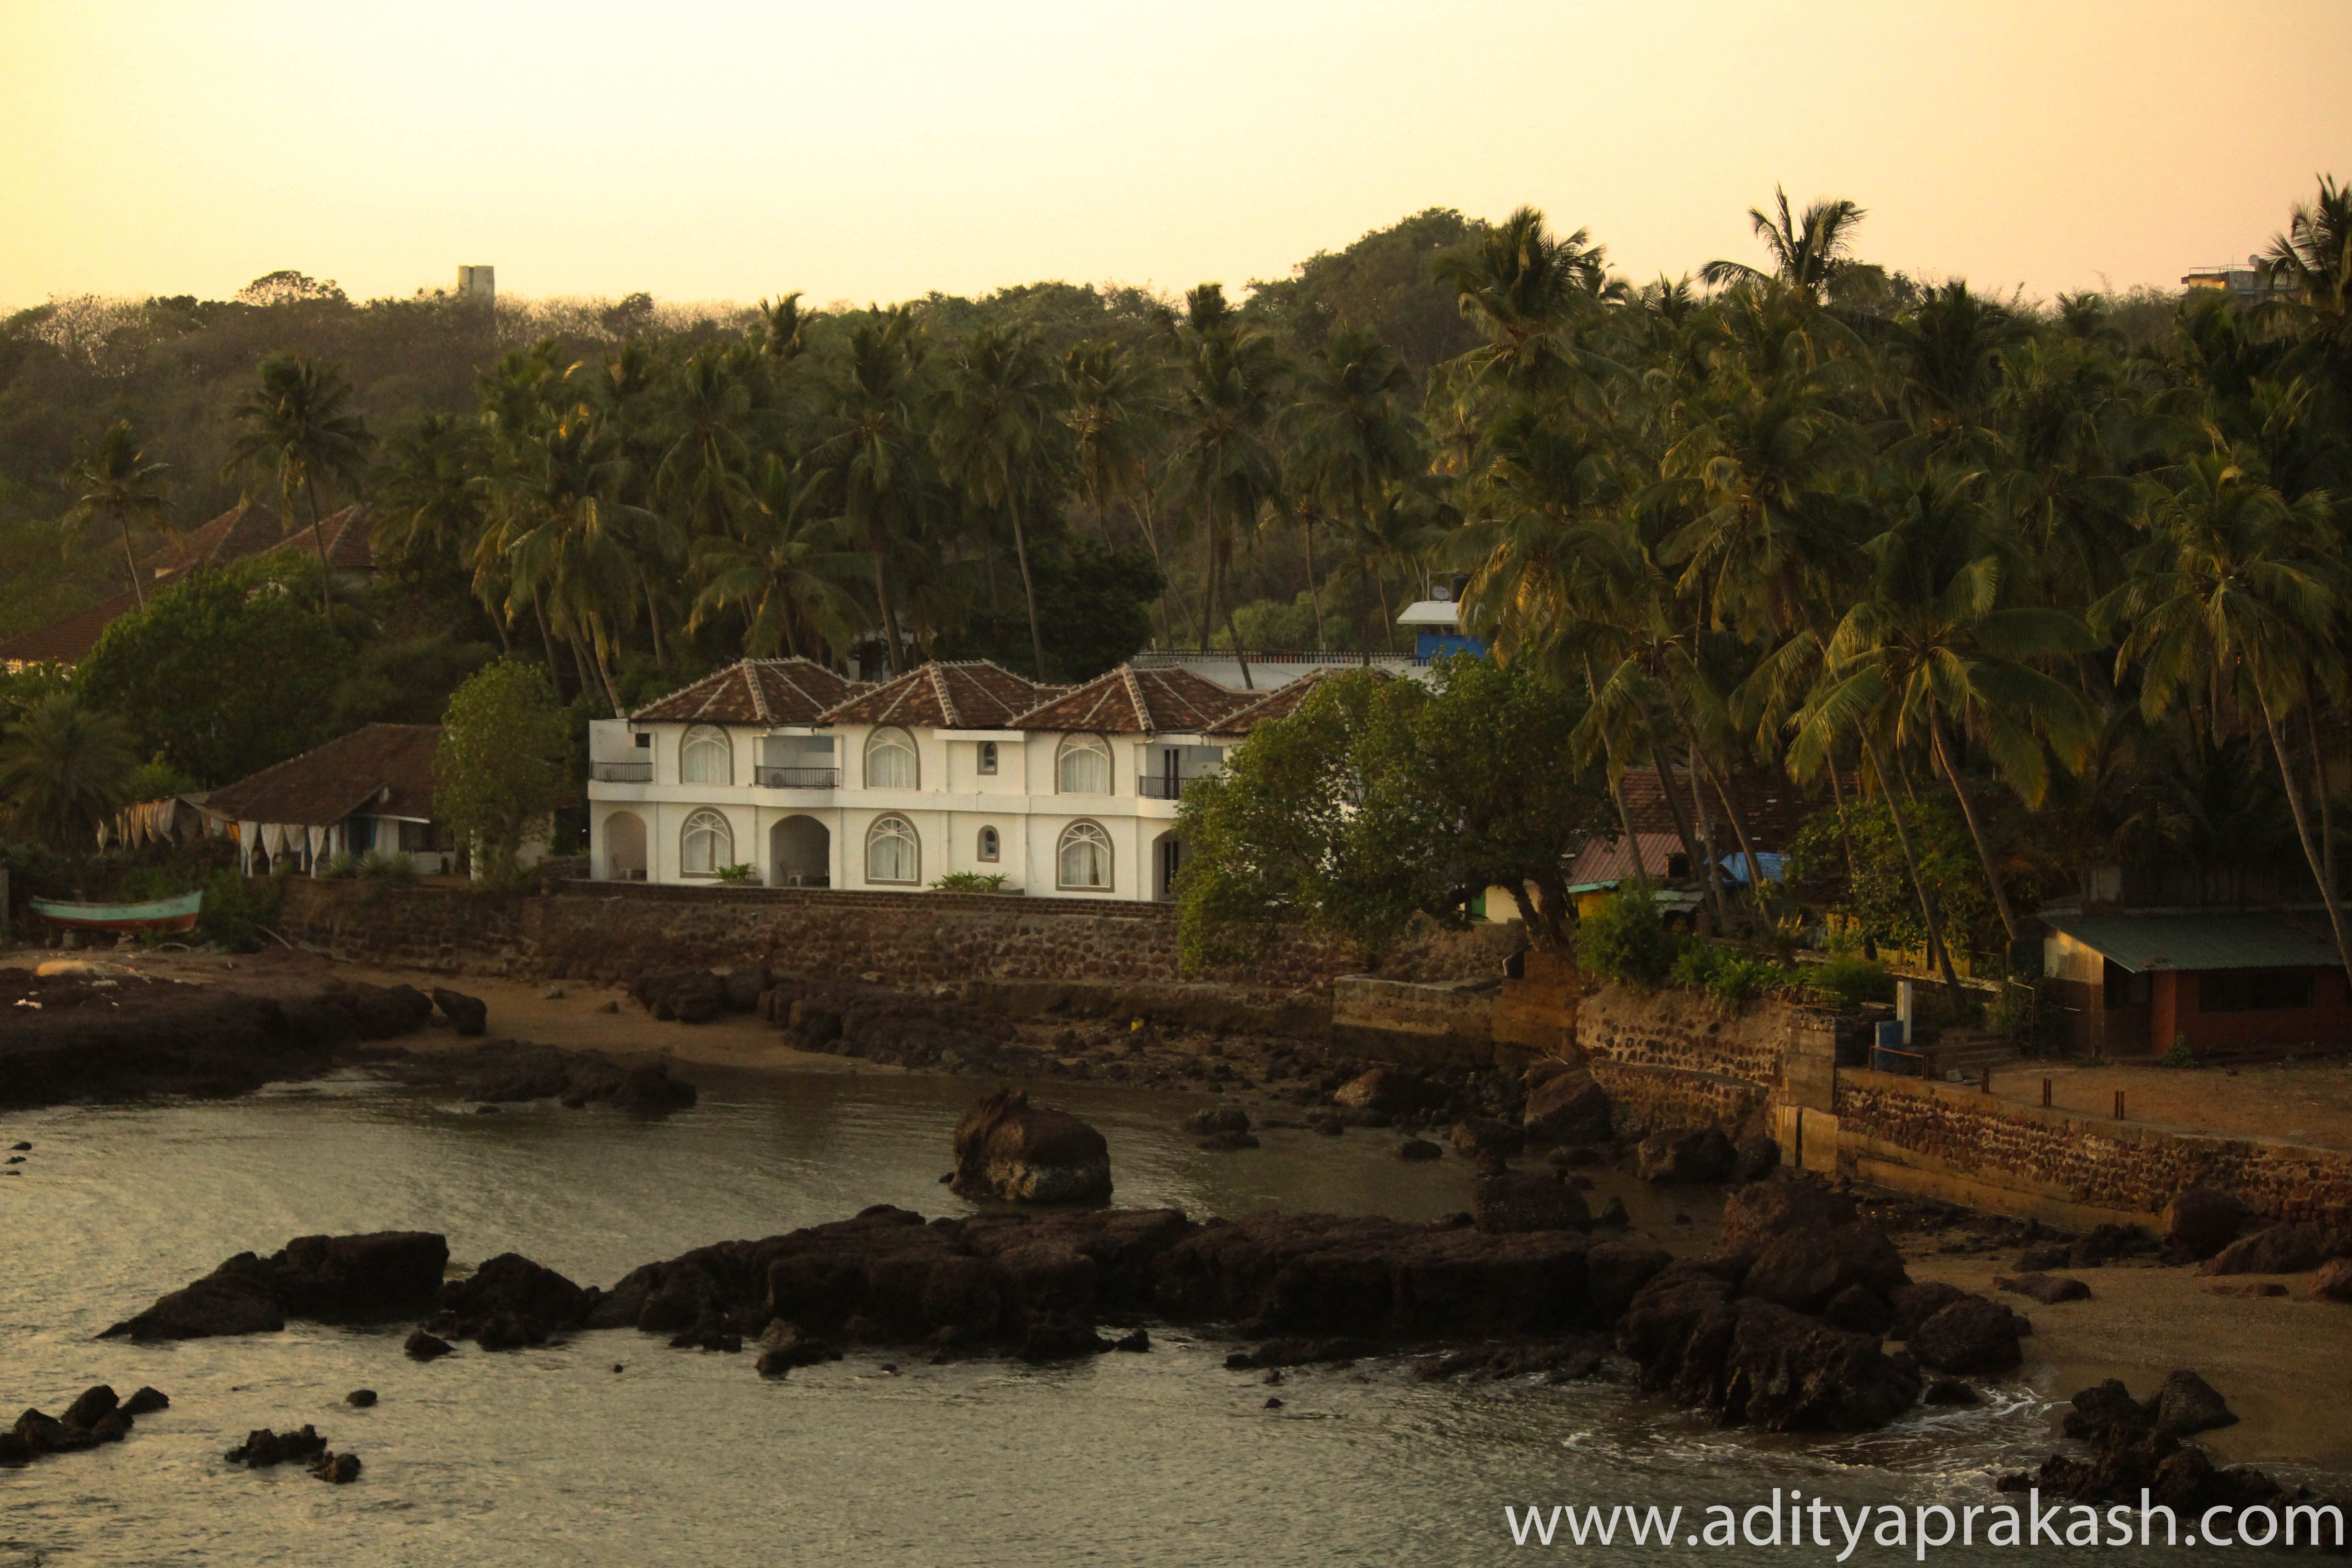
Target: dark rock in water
x,y
649,1086
43,1433
1565,1105
360,1398
89,1406
342,1469
1507,1201
20,1148
1007,1148
264,1447
1227,1142
1804,1270
1970,1334
1054,1338
2187,1403
1273,1402
2201,1221
1615,1273
1135,1342
1704,1155
2134,1459
146,1400
1753,1158
1327,1127
1419,1149
742,987
343,1279
775,1362
1389,1089
2280,1249
1612,1214
1218,1119
510,1302
1754,1363
683,995
1277,1353
1859,1309
1787,1201
422,1346
14,1452
241,1296
1915,1303
2041,1259
467,1015
1950,1391
2047,1288
2334,1280
1479,1135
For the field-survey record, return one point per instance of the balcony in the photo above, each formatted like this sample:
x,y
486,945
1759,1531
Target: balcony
x,y
1159,786
622,773
768,777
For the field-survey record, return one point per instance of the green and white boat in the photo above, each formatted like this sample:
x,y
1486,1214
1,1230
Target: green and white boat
x,y
156,914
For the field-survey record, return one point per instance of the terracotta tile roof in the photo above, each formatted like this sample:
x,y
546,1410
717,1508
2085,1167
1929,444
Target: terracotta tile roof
x,y
327,784
245,529
68,641
974,695
349,541
1131,702
1773,807
1283,701
754,691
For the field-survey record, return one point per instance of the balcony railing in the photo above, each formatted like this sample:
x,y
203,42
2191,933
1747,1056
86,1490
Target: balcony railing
x,y
767,777
622,773
1159,786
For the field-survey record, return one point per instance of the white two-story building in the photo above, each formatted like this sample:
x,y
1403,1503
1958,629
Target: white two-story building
x,y
780,772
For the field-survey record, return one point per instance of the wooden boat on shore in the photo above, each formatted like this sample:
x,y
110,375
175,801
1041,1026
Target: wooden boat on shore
x,y
156,914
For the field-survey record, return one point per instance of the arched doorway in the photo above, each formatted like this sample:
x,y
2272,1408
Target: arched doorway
x,y
625,847
1167,859
800,854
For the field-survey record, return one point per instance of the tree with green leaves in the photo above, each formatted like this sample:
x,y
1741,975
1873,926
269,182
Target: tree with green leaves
x,y
1001,439
298,428
503,765
64,767
116,485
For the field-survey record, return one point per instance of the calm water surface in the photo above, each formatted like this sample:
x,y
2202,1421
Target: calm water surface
x,y
550,1457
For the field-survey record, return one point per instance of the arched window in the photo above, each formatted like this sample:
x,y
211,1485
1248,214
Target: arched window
x,y
890,761
893,853
706,844
1084,766
1084,860
988,756
990,845
706,756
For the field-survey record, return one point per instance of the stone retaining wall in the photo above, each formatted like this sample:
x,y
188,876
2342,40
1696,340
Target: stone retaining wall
x,y
1955,1141
1422,1023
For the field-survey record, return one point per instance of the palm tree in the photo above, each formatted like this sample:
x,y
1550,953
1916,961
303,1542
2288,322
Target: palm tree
x,y
1520,284
1811,256
117,484
789,572
1352,437
298,427
431,492
1225,461
2234,600
1001,438
876,447
65,768
2314,256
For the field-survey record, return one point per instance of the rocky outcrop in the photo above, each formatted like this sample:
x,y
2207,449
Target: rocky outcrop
x,y
1007,1148
1971,1334
1683,1156
2280,1249
328,1279
2133,1456
2047,1288
2201,1221
96,1415
510,1302
1806,1269
1762,1210
1506,1201
2334,1281
507,1072
466,1015
1565,1105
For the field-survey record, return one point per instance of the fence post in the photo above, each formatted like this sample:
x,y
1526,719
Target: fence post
x,y
2119,1105
2045,1094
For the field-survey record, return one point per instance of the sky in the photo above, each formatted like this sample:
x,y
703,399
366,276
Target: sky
x,y
882,149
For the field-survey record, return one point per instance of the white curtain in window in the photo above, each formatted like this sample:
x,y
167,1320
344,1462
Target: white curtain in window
x,y
889,761
892,853
1085,766
707,756
707,845
1086,857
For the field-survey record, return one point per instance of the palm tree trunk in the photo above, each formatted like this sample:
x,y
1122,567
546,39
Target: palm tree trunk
x,y
129,562
318,539
1240,657
1616,780
547,640
1707,843
1028,592
1209,580
1673,806
889,616
1314,589
1143,509
2311,854
1911,863
596,641
1738,830
1976,828
1846,827
579,659
652,611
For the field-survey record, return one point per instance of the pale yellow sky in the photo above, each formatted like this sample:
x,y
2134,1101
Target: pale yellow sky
x,y
879,149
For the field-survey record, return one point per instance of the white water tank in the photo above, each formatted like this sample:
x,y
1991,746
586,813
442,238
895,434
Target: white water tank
x,y
478,284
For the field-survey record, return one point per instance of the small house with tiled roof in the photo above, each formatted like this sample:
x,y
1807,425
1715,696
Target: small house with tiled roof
x,y
949,768
369,789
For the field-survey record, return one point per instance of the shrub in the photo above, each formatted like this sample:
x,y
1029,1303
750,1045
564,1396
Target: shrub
x,y
1847,980
1624,940
2178,1054
738,874
235,909
339,864
972,882
387,866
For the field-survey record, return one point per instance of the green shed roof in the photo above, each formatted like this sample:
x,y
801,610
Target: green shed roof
x,y
2144,943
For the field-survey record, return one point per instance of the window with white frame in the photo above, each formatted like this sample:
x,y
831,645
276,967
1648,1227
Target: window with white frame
x,y
705,844
890,761
706,757
990,847
1084,860
1085,766
988,756
893,853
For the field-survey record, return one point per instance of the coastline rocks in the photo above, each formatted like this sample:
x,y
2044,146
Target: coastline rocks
x,y
1804,1270
510,1302
95,1417
1478,1135
1615,1272
2133,1459
2187,1403
2201,1221
2047,1288
146,1400
1414,1150
361,1399
328,1279
1507,1201
1753,1158
1227,1142
264,1447
1969,1334
466,1015
1915,1303
1755,1213
1753,1363
1217,1119
422,1346
2334,1281
2280,1249
1683,1156
1385,1089
506,1072
1565,1105
1007,1148
649,1086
